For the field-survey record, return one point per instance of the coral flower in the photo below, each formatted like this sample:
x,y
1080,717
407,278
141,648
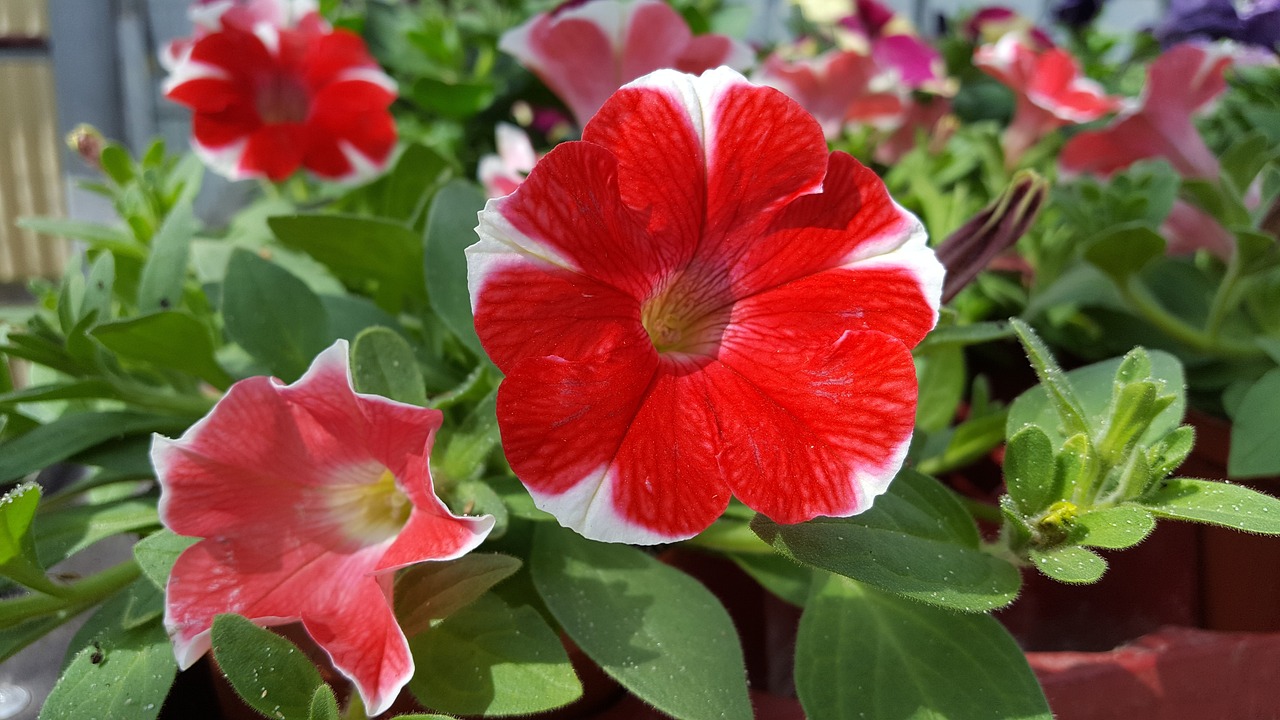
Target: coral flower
x,y
268,99
586,51
1049,88
306,497
699,301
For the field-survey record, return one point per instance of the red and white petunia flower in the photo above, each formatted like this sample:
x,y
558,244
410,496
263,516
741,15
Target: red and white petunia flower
x,y
699,301
502,173
211,16
268,99
991,23
306,498
584,51
1049,90
838,87
1181,83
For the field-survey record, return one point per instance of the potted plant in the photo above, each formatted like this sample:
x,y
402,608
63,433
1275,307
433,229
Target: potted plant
x,y
655,422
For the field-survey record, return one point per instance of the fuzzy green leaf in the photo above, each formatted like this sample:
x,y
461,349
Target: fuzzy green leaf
x,y
267,671
1070,564
1216,503
1115,527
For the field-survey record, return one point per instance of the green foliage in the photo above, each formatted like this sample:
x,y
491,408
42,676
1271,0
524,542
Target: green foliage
x,y
273,315
383,363
450,229
916,541
267,671
862,652
652,628
492,659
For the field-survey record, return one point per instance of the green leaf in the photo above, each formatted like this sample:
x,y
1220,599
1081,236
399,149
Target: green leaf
x,y
18,559
116,163
324,706
1058,387
98,287
1117,527
492,659
349,315
964,335
165,270
383,363
267,671
1255,434
169,339
273,315
1029,471
1171,451
451,226
1070,564
1242,162
432,591
1125,250
91,233
157,552
64,533
454,100
469,446
74,390
1093,386
652,628
377,257
70,434
941,376
865,653
118,673
417,174
1216,503
917,541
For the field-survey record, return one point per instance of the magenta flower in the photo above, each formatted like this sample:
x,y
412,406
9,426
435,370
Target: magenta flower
x,y
586,51
991,23
1049,90
897,49
268,99
838,87
699,301
306,498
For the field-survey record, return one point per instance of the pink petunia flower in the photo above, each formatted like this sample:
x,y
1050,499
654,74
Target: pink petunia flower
x,y
1049,89
586,51
269,99
502,173
306,498
991,23
837,87
699,301
1181,83
891,39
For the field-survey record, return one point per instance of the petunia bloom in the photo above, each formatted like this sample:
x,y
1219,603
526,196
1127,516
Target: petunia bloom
x,y
268,99
306,498
1049,91
211,16
1257,23
891,39
586,51
699,301
991,23
837,87
1181,83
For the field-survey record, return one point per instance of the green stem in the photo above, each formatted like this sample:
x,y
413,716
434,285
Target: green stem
x,y
1168,323
74,598
1223,299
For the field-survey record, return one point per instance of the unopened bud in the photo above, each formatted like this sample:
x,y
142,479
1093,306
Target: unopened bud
x,y
85,141
992,231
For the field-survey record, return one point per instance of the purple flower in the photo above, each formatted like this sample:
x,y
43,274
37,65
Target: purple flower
x,y
1258,24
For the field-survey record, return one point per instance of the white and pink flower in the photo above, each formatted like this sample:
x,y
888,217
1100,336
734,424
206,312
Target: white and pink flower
x,y
838,87
584,51
268,99
306,498
502,173
699,301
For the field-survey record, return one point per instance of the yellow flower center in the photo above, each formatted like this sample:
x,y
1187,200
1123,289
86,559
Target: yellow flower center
x,y
371,512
